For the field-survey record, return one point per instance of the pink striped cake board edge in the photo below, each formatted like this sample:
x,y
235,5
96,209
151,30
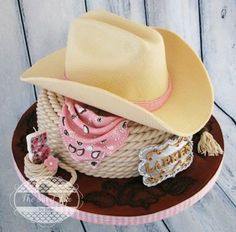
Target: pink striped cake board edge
x,y
130,220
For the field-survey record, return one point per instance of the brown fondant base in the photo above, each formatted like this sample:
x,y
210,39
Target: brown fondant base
x,y
129,197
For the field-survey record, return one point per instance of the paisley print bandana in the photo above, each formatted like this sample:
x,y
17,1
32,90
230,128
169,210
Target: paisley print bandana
x,y
90,134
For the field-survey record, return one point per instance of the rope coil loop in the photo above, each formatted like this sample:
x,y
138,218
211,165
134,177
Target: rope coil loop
x,y
122,164
40,174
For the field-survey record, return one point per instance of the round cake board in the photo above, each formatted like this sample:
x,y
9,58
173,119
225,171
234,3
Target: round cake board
x,y
127,201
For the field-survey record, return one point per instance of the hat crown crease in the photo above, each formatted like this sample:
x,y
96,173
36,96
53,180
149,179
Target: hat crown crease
x,y
117,55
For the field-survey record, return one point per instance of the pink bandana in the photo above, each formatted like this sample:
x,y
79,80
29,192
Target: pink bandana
x,y
90,134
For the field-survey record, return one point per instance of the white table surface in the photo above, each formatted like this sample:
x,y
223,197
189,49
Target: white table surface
x,y
30,29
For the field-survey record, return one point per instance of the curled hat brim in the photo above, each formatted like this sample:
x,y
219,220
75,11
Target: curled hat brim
x,y
186,111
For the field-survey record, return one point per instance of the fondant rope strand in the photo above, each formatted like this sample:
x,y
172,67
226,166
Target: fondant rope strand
x,y
41,175
122,164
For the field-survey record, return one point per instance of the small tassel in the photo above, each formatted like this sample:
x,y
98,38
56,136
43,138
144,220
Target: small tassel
x,y
208,145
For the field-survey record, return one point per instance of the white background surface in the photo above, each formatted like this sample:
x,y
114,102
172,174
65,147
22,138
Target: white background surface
x,y
30,29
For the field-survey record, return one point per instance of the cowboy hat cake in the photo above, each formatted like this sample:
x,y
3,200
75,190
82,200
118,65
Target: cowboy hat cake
x,y
121,100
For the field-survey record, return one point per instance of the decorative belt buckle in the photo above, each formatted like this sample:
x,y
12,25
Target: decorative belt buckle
x,y
160,162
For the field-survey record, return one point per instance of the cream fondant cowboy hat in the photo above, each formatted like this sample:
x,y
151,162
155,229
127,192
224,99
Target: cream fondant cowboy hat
x,y
150,76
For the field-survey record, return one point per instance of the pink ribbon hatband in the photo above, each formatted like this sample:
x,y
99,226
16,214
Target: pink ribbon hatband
x,y
155,104
90,134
